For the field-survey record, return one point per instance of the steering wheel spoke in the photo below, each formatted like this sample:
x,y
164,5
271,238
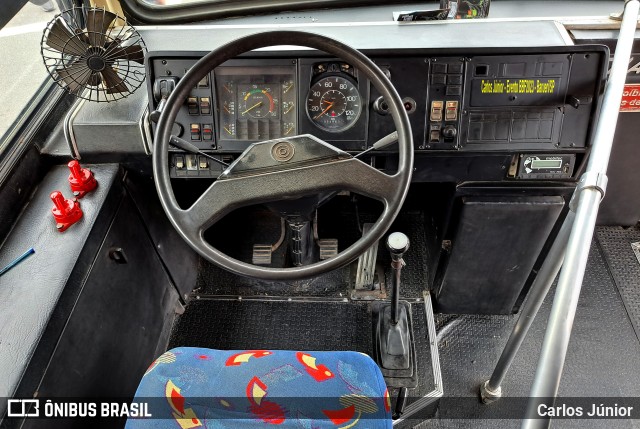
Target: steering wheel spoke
x,y
228,194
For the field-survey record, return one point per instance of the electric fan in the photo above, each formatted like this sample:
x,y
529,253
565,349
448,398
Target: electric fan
x,y
94,54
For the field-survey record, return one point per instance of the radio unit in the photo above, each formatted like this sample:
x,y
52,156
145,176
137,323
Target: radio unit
x,y
539,166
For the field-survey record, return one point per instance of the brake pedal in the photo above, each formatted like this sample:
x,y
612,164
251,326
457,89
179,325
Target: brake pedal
x,y
328,248
262,254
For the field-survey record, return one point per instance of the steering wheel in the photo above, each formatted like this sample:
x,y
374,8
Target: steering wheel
x,y
285,168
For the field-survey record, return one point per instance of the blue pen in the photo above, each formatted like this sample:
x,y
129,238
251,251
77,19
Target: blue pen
x,y
19,259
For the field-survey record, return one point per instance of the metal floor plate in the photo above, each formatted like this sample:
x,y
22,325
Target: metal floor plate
x,y
617,245
602,360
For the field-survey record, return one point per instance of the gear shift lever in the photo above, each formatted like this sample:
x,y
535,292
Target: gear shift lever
x,y
394,349
392,322
398,244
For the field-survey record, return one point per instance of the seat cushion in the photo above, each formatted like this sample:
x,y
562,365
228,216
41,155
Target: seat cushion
x,y
197,387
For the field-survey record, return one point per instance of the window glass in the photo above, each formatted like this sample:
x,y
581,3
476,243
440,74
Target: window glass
x,y
22,71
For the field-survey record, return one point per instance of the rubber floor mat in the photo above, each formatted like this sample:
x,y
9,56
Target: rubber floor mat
x,y
214,281
294,325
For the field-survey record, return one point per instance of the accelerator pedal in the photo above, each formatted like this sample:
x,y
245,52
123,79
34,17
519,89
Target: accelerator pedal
x,y
366,274
328,248
262,254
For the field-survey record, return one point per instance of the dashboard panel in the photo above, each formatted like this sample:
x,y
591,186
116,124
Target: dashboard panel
x,y
512,106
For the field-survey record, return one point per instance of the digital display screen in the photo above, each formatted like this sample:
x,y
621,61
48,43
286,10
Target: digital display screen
x,y
550,164
518,86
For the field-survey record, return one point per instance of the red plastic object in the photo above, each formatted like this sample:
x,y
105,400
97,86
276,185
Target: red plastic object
x,y
65,212
81,179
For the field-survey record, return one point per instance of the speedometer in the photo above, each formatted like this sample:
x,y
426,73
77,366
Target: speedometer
x,y
334,104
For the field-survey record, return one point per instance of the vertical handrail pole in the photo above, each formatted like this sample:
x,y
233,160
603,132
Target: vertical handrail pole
x,y
586,201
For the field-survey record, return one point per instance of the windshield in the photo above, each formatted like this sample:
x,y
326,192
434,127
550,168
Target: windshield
x,y
184,11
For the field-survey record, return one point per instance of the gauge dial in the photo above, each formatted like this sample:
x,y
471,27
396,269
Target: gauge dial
x,y
334,104
256,103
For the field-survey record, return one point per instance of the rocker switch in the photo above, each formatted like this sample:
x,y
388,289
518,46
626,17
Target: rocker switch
x,y
205,106
436,111
192,163
179,162
203,163
207,132
451,114
195,131
192,105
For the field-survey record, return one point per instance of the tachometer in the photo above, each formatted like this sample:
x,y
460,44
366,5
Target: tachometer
x,y
257,102
334,104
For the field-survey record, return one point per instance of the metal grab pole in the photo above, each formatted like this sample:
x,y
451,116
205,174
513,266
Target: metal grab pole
x,y
587,198
491,390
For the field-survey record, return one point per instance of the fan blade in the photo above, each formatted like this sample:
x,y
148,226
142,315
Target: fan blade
x,y
75,76
131,53
63,39
94,79
113,83
83,36
98,23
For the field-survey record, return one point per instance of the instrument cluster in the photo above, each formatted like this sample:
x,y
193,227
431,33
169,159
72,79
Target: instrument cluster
x,y
256,103
257,99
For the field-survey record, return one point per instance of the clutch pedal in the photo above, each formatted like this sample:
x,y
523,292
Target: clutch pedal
x,y
262,254
328,248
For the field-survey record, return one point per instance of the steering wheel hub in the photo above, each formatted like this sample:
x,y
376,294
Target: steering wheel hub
x,y
283,151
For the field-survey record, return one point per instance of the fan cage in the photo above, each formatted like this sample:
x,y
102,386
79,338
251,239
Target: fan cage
x,y
116,45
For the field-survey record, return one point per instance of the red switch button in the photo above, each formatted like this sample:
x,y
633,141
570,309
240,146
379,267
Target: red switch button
x,y
65,212
81,179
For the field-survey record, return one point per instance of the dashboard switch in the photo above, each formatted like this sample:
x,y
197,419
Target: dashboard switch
x,y
203,163
205,106
449,132
195,131
455,79
192,104
454,90
439,68
204,82
179,162
207,132
192,163
434,133
438,79
456,68
436,111
451,113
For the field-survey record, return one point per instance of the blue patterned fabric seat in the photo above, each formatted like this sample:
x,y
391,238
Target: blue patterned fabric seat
x,y
194,387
